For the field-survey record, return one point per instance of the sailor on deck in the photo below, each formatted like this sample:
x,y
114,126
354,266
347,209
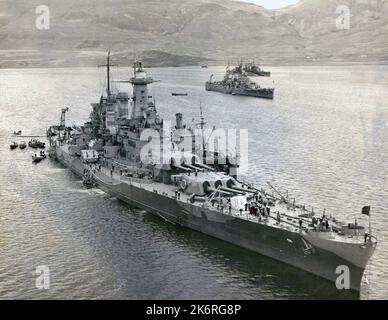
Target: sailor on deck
x,y
278,217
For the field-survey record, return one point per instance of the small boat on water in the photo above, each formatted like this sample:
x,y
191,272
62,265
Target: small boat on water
x,y
17,133
41,145
36,144
38,158
33,144
176,94
204,66
13,145
22,145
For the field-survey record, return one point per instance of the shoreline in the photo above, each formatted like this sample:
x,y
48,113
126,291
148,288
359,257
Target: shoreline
x,y
272,65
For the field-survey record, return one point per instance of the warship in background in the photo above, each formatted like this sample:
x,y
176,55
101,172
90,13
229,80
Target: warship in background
x,y
237,82
253,70
189,191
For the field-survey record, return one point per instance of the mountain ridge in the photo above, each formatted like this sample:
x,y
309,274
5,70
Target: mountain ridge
x,y
192,32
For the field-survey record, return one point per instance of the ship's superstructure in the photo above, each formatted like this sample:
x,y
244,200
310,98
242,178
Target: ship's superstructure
x,y
116,152
237,82
252,69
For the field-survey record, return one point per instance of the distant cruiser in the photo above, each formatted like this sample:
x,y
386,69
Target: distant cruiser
x,y
253,69
237,82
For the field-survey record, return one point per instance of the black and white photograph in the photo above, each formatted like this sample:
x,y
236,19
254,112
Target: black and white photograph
x,y
186,150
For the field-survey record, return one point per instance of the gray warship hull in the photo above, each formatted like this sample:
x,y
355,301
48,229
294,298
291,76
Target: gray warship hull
x,y
258,93
258,73
282,245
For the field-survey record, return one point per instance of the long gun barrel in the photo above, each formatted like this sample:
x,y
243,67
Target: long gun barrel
x,y
232,190
204,166
183,168
193,167
242,189
228,194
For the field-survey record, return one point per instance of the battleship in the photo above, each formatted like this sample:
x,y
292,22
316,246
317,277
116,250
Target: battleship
x,y
237,82
110,152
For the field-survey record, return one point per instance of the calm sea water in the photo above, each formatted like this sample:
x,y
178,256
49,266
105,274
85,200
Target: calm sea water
x,y
324,138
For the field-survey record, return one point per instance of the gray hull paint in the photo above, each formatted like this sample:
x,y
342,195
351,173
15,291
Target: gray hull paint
x,y
259,93
281,245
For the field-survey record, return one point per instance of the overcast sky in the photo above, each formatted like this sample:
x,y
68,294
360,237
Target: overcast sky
x,y
272,4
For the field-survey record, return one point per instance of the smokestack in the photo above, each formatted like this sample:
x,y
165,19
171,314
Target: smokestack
x,y
179,121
